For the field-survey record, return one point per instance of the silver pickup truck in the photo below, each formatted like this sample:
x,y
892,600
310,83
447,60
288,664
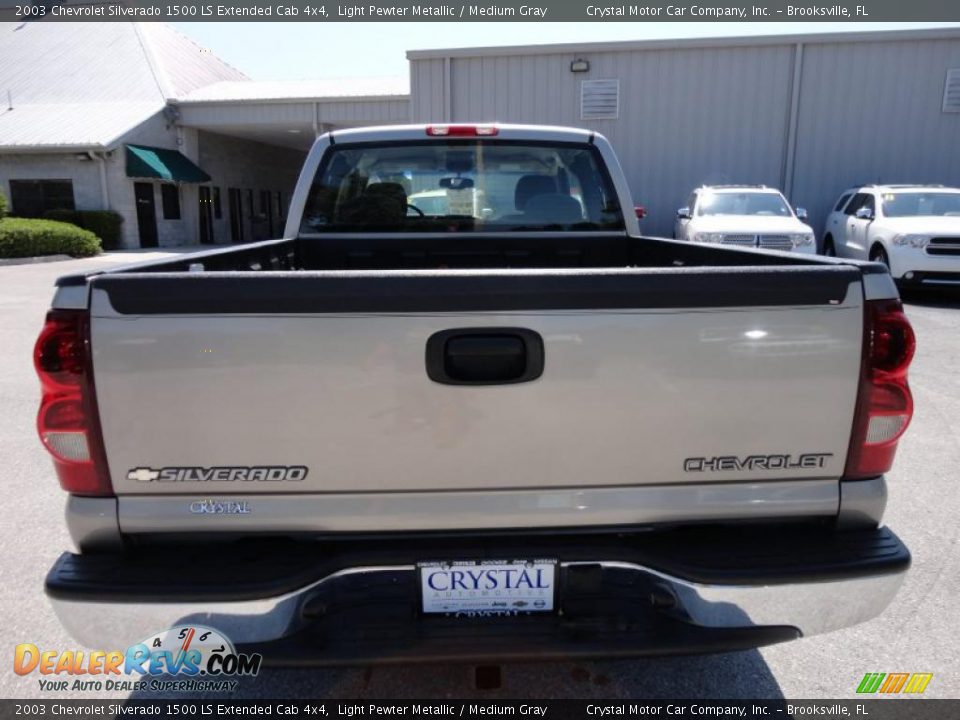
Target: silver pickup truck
x,y
495,424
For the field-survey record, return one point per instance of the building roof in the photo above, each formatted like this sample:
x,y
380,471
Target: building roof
x,y
67,126
298,90
86,84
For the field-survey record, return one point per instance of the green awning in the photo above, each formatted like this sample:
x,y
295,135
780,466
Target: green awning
x,y
162,164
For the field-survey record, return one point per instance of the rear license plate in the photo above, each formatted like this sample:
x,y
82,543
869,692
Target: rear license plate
x,y
488,588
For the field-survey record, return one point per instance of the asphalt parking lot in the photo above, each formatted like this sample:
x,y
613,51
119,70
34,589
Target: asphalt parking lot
x,y
916,634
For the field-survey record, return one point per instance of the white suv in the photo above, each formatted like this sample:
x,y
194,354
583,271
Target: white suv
x,y
913,229
744,215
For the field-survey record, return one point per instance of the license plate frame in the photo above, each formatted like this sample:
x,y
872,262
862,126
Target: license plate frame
x,y
474,597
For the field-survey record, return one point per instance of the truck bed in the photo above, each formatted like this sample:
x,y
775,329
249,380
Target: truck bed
x,y
368,274
284,354
460,251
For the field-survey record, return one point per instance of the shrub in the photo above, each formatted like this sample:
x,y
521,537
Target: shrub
x,y
24,237
3,205
105,224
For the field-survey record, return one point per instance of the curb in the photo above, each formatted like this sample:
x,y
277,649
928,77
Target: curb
x,y
33,260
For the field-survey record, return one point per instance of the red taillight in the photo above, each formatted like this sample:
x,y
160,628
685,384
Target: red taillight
x,y
67,421
462,130
640,211
884,403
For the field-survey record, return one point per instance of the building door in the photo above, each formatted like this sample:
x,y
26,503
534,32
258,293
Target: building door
x,y
236,215
146,214
206,216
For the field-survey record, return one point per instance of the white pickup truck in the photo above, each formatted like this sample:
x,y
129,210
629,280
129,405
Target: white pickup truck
x,y
514,429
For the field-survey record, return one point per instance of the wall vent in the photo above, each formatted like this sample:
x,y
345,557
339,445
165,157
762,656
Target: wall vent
x,y
951,91
600,99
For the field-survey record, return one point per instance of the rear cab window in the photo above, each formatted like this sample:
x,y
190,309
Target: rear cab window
x,y
461,186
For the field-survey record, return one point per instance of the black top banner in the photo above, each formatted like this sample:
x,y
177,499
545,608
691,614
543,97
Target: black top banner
x,y
216,708
483,11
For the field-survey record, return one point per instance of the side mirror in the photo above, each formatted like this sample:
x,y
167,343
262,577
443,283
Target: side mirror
x,y
802,213
864,213
684,213
640,211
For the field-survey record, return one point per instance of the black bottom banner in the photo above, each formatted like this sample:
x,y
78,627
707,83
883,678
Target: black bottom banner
x,y
874,709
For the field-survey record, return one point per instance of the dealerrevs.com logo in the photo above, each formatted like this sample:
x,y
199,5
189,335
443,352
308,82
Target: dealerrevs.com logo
x,y
185,658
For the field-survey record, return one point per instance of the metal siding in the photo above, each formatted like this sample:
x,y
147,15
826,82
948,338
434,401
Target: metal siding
x,y
239,114
872,112
701,116
370,112
271,114
426,91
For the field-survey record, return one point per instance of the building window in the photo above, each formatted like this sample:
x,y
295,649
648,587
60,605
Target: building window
x,y
171,201
217,210
32,198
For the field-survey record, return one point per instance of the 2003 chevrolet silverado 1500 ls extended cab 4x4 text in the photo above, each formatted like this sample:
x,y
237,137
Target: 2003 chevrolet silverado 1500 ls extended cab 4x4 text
x,y
501,426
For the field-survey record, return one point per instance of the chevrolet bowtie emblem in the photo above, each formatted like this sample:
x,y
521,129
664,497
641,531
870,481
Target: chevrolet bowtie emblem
x,y
143,474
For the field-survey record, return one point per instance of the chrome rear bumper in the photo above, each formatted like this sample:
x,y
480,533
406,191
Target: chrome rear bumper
x,y
617,594
812,608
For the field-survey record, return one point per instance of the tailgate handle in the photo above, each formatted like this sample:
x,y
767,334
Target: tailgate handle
x,y
484,356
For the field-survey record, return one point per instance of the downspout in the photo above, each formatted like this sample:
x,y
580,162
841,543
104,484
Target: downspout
x,y
447,91
104,186
791,150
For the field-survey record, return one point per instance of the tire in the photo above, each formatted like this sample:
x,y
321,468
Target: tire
x,y
878,254
829,250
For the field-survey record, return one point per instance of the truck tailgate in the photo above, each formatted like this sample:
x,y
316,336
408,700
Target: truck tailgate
x,y
696,376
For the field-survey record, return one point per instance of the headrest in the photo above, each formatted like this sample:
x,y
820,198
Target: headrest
x,y
530,185
390,189
554,207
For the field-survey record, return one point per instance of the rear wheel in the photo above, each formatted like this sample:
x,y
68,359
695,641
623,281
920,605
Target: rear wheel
x,y
828,247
